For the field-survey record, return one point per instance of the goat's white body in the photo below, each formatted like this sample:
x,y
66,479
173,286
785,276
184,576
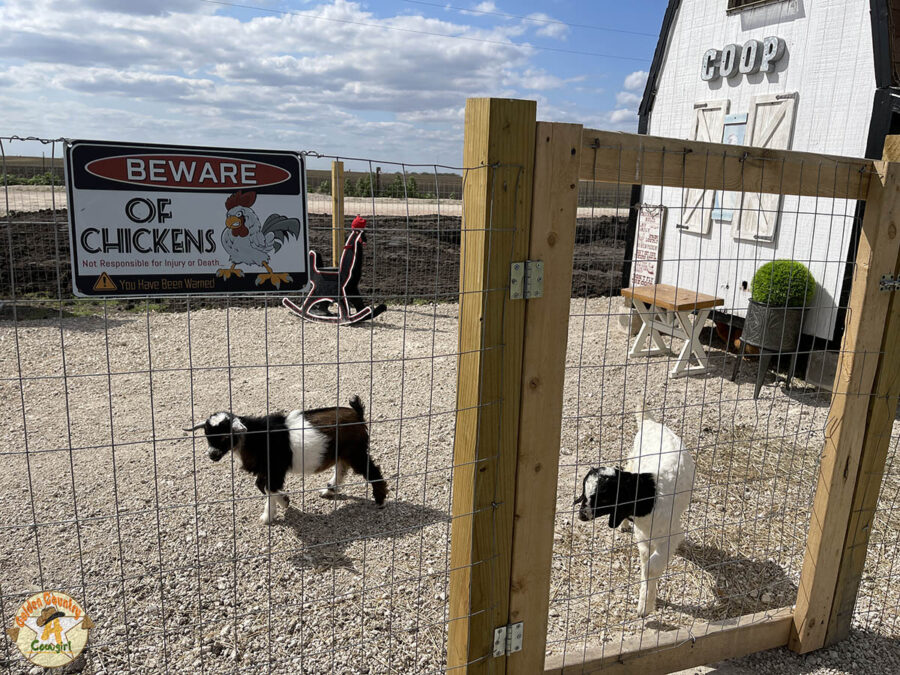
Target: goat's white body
x,y
657,450
308,444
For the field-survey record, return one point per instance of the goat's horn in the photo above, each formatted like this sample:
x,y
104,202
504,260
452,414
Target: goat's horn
x,y
194,428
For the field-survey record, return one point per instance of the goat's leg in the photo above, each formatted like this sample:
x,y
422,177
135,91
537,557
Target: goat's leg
x,y
334,485
268,514
364,466
644,550
663,549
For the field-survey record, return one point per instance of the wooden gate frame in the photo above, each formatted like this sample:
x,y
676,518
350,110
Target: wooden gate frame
x,y
511,365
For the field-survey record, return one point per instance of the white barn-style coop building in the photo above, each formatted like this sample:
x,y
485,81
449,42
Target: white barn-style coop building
x,y
807,75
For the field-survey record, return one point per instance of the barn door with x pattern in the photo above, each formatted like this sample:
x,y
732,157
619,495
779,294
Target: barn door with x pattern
x,y
771,125
709,119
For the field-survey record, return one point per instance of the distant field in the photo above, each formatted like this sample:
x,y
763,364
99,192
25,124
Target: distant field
x,y
28,198
429,185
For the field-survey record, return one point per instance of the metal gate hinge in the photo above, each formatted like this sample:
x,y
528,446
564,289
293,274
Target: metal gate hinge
x,y
508,639
526,280
889,283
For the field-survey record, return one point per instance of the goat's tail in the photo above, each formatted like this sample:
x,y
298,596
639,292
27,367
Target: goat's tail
x,y
357,405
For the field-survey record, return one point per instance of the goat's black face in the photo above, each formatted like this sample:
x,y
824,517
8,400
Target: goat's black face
x,y
616,493
223,433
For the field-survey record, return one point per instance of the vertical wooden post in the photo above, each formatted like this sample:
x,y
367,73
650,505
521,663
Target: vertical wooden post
x,y
499,137
857,427
879,425
337,212
553,221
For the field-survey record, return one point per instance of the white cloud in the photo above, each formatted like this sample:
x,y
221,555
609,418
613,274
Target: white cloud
x,y
550,27
626,99
636,80
617,116
184,71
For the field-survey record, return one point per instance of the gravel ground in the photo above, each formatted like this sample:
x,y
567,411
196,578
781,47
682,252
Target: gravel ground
x,y
166,551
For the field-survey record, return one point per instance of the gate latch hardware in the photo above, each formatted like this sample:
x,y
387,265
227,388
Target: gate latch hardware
x,y
888,283
526,280
508,639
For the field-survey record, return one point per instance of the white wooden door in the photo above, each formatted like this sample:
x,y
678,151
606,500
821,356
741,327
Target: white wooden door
x,y
770,125
709,120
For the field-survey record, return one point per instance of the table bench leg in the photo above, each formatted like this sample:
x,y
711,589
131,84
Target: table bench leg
x,y
647,332
692,346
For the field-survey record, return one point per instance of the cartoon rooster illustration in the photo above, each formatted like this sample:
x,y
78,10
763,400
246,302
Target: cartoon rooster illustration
x,y
250,242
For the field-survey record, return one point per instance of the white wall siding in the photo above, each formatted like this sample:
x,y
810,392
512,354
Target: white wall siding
x,y
829,64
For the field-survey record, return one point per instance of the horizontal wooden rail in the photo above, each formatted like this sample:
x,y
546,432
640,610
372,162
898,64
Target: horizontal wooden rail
x,y
634,159
665,652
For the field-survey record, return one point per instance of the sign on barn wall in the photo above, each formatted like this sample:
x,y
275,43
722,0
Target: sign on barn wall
x,y
648,240
163,220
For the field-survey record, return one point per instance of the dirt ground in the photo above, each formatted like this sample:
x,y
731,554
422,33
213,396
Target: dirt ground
x,y
106,497
406,259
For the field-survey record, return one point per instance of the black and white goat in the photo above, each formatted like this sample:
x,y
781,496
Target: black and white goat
x,y
654,491
301,441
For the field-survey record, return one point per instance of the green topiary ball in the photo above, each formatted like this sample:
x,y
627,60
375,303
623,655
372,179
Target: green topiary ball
x,y
783,283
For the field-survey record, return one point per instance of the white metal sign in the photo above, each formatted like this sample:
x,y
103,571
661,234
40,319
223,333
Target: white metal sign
x,y
648,241
163,220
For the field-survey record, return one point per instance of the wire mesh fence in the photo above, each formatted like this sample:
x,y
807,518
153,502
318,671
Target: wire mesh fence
x,y
107,499
754,415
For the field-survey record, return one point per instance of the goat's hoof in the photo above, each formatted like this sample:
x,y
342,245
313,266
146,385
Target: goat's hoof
x,y
266,519
328,493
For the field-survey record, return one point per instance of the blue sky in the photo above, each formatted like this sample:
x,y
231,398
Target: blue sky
x,y
383,79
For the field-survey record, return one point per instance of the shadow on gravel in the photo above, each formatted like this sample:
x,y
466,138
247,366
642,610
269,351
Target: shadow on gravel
x,y
324,537
741,585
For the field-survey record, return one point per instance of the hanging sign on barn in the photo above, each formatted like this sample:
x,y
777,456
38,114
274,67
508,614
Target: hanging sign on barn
x,y
164,220
650,223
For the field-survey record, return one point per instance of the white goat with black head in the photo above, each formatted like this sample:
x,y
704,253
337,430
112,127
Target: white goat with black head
x,y
301,441
654,491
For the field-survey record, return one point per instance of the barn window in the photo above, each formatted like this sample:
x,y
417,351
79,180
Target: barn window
x,y
739,5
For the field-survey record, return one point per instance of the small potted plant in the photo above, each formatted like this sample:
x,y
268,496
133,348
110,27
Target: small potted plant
x,y
780,291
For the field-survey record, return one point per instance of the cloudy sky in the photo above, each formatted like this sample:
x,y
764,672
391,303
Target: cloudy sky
x,y
381,79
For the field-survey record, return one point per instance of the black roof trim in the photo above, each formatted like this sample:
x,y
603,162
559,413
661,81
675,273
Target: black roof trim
x,y
881,42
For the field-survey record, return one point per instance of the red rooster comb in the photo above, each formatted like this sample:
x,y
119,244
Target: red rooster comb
x,y
240,198
358,223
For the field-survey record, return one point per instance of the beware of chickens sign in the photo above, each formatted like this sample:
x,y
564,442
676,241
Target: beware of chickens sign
x,y
164,220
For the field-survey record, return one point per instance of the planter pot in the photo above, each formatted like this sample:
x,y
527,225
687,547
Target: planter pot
x,y
774,329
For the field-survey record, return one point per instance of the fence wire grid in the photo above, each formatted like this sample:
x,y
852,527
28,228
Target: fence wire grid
x,y
107,499
757,456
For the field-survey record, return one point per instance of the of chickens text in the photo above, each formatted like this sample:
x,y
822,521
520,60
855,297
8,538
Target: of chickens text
x,y
148,239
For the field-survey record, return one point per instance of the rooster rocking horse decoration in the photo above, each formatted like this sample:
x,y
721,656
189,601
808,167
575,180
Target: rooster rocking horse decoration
x,y
338,285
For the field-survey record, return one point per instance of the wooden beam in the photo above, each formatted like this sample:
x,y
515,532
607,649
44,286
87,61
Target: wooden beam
x,y
499,143
553,220
627,159
879,426
337,212
846,430
664,652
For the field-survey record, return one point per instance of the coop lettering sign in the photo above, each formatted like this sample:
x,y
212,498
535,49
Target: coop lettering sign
x,y
159,220
754,56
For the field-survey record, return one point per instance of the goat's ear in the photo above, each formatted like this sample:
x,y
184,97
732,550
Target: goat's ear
x,y
237,426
